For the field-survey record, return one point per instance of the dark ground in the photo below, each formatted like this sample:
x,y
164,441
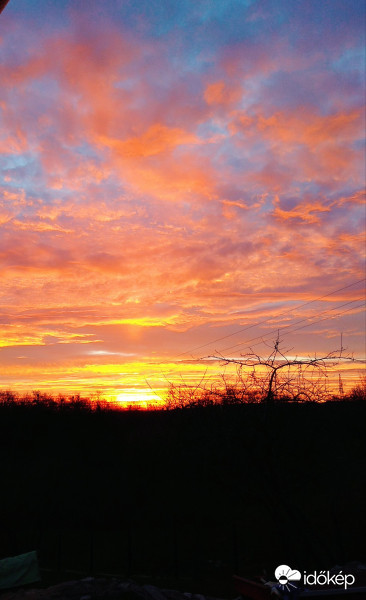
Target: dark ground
x,y
183,498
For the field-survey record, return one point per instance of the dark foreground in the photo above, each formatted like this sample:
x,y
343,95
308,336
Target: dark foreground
x,y
186,498
91,588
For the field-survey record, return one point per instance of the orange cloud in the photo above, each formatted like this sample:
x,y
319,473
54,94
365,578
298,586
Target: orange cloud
x,y
303,127
154,169
157,139
302,211
220,93
358,197
301,146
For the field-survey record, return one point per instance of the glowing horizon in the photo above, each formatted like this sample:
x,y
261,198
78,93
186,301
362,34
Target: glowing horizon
x,y
178,180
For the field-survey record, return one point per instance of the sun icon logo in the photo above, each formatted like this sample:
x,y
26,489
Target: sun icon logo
x,y
285,575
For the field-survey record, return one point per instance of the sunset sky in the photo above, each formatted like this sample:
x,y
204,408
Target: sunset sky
x,y
174,172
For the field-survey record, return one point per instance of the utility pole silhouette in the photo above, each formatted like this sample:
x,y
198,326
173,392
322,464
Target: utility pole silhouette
x,y
340,385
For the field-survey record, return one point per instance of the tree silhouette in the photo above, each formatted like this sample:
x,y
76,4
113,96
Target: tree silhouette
x,y
287,377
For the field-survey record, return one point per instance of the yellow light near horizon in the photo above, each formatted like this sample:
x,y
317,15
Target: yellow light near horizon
x,y
138,398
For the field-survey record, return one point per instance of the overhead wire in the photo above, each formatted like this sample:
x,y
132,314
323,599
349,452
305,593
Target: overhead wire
x,y
296,329
243,343
270,318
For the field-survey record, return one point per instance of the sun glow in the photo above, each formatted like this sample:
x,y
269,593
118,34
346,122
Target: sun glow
x,y
143,399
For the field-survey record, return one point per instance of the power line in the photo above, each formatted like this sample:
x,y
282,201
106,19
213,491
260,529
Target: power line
x,y
326,318
270,318
298,328
291,325
262,338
